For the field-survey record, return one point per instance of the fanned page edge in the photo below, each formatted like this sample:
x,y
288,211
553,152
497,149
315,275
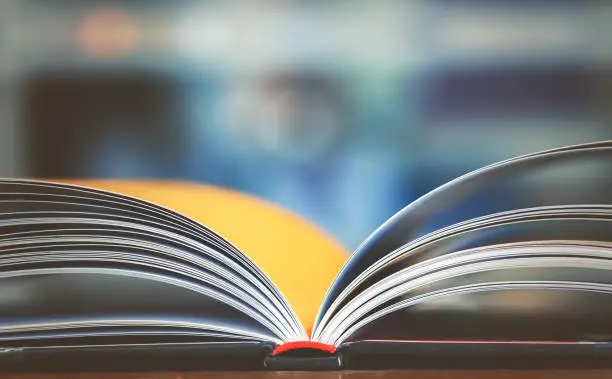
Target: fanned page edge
x,y
328,300
130,198
298,276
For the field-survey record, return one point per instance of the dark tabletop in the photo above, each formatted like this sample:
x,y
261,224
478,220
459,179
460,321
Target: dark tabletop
x,y
420,374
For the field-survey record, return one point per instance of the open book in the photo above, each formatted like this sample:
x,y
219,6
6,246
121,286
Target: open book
x,y
93,276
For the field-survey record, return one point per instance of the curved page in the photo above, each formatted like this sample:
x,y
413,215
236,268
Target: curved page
x,y
571,175
536,262
69,231
531,312
577,223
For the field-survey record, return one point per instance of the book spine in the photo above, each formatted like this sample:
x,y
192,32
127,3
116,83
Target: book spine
x,y
303,345
304,356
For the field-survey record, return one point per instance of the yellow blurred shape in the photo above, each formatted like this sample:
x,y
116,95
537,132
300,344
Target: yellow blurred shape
x,y
301,259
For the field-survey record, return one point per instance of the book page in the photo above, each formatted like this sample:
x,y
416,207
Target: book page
x,y
153,262
565,176
299,258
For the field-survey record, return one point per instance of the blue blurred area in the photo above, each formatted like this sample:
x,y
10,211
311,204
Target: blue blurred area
x,y
341,111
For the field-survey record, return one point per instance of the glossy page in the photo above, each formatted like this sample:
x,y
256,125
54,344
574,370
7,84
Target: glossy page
x,y
559,194
93,264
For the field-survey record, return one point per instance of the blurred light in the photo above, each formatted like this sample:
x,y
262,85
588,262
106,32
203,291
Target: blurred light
x,y
297,118
108,32
513,32
342,111
264,38
203,33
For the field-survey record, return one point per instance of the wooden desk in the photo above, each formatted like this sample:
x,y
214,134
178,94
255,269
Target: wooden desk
x,y
417,374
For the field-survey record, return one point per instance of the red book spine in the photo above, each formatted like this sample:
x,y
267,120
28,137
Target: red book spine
x,y
288,346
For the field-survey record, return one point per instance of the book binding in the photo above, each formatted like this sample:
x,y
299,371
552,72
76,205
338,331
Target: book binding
x,y
303,356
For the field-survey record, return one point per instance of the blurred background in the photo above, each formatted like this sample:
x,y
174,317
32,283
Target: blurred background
x,y
342,111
